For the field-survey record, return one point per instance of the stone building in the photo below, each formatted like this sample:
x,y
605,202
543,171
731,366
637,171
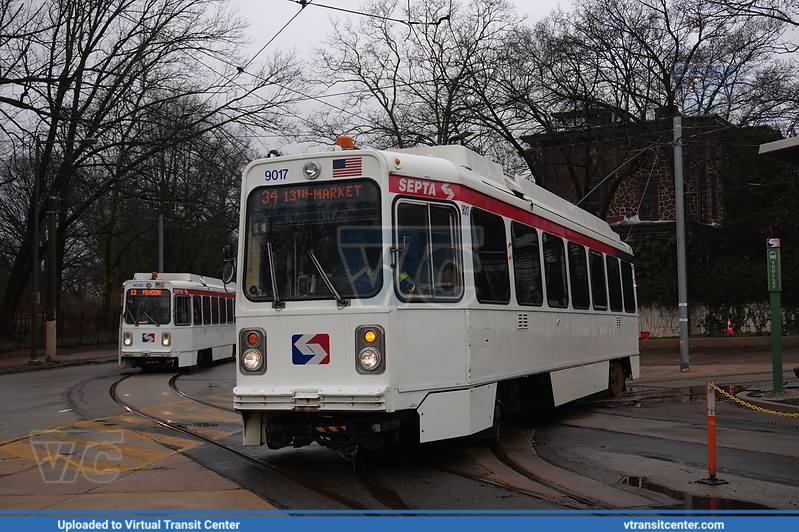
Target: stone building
x,y
624,171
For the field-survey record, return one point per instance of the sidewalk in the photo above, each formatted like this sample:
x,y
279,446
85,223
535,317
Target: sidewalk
x,y
21,360
741,366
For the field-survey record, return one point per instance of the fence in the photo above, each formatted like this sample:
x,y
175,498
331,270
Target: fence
x,y
753,318
85,328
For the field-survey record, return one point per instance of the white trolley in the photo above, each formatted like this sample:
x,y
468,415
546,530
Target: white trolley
x,y
176,320
419,292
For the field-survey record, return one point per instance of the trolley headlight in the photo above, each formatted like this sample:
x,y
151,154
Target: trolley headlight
x,y
252,360
166,339
369,359
128,339
312,170
370,354
252,349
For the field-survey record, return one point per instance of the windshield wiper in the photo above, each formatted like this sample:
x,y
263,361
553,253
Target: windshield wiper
x,y
276,304
146,315
341,302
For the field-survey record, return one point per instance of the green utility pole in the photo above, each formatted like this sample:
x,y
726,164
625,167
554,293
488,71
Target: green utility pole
x,y
774,288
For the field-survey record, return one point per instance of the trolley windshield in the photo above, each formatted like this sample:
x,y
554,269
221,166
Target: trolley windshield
x,y
147,306
304,239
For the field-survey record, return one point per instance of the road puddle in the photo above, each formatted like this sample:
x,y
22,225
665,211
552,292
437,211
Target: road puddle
x,y
689,501
678,395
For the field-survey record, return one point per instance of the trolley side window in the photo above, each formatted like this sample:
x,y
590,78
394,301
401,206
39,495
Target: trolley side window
x,y
628,290
206,310
578,273
527,265
147,306
555,271
198,309
428,264
599,289
614,284
182,310
490,254
214,310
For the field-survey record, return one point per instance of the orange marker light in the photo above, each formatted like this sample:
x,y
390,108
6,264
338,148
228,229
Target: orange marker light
x,y
345,143
252,338
369,336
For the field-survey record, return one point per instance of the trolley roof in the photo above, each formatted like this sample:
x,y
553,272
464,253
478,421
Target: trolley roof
x,y
472,168
458,164
184,279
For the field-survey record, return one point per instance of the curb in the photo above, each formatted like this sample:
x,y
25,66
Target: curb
x,y
769,405
24,368
721,342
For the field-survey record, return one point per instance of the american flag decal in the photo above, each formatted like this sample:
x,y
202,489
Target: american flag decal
x,y
349,167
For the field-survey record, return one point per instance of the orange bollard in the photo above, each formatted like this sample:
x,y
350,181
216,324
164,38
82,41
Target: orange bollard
x,y
730,332
711,439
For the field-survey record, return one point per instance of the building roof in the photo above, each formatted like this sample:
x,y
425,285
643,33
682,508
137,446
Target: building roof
x,y
786,150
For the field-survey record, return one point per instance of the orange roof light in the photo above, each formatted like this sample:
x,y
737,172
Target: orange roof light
x,y
345,143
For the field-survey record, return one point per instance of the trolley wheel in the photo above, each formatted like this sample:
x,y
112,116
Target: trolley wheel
x,y
499,415
493,434
616,384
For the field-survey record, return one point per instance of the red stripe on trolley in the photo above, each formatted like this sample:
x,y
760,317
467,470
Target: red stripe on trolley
x,y
439,190
191,291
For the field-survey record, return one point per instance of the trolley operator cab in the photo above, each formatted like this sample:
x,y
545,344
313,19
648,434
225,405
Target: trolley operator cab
x,y
420,292
176,320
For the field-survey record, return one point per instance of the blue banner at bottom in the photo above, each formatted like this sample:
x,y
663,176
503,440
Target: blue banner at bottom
x,y
593,521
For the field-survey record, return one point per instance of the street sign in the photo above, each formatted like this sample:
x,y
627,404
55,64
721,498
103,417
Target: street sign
x,y
774,289
774,270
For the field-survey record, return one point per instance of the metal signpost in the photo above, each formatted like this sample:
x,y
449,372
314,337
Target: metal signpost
x,y
774,288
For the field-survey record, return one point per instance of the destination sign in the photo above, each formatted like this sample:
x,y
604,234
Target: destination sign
x,y
146,292
271,196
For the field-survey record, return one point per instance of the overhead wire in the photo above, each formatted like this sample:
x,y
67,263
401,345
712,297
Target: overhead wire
x,y
303,5
408,22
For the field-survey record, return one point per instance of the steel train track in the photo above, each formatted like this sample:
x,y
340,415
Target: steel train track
x,y
581,501
384,496
570,500
346,502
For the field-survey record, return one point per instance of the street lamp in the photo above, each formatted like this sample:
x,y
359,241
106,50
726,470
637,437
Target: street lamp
x,y
52,300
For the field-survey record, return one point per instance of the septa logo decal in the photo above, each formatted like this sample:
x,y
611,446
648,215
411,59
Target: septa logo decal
x,y
310,349
148,337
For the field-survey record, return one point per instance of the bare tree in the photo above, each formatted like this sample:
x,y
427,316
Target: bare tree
x,y
76,70
591,78
408,82
786,11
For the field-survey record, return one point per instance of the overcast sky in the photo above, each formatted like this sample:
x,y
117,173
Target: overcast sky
x,y
311,25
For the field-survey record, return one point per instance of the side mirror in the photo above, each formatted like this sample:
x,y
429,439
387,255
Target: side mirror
x,y
228,272
227,252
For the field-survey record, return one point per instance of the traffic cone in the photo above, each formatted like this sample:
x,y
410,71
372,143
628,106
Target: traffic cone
x,y
730,332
